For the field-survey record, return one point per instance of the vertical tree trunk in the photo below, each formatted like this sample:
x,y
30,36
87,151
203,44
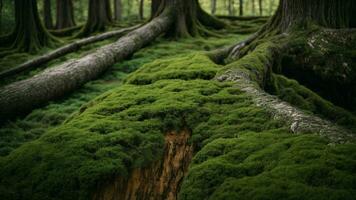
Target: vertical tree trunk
x,y
29,34
65,14
99,16
253,7
260,7
230,7
117,10
213,7
1,5
141,7
241,7
48,22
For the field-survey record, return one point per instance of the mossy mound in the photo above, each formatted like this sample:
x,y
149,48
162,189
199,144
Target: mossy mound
x,y
272,165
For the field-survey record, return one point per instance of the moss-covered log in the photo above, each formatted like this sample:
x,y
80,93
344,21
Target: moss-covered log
x,y
23,96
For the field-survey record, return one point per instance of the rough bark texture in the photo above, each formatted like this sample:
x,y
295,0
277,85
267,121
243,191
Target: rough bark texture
x,y
47,14
37,62
160,181
117,10
29,34
99,16
326,13
25,95
65,14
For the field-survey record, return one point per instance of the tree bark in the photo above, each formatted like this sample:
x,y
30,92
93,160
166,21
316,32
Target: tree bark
x,y
241,7
260,7
37,62
55,82
141,9
65,14
189,18
117,10
29,34
47,14
99,16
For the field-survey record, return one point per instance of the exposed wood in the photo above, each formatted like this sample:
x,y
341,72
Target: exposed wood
x,y
37,62
55,82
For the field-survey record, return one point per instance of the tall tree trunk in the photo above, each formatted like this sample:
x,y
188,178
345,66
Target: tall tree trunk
x,y
213,7
1,6
47,14
99,16
260,7
190,18
141,9
230,7
29,34
117,10
241,7
65,14
326,13
253,7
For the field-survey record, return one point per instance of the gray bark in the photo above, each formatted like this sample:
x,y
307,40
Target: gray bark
x,y
37,62
55,82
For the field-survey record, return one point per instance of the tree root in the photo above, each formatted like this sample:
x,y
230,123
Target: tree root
x,y
37,62
251,73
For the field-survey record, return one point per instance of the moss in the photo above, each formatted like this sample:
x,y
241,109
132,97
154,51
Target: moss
x,y
272,165
300,96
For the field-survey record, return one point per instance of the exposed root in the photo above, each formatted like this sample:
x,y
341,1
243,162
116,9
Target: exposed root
x,y
252,72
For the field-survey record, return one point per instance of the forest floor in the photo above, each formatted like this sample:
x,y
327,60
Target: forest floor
x,y
164,98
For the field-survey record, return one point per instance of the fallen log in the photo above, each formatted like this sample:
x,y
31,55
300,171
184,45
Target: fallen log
x,y
37,62
21,97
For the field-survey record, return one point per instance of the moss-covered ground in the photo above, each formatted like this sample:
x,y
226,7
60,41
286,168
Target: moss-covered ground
x,y
241,152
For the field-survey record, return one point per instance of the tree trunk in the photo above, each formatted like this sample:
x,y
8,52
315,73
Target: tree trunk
x,y
1,6
213,7
326,13
260,7
47,14
241,7
99,16
65,14
117,10
29,34
230,7
189,18
253,7
141,7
